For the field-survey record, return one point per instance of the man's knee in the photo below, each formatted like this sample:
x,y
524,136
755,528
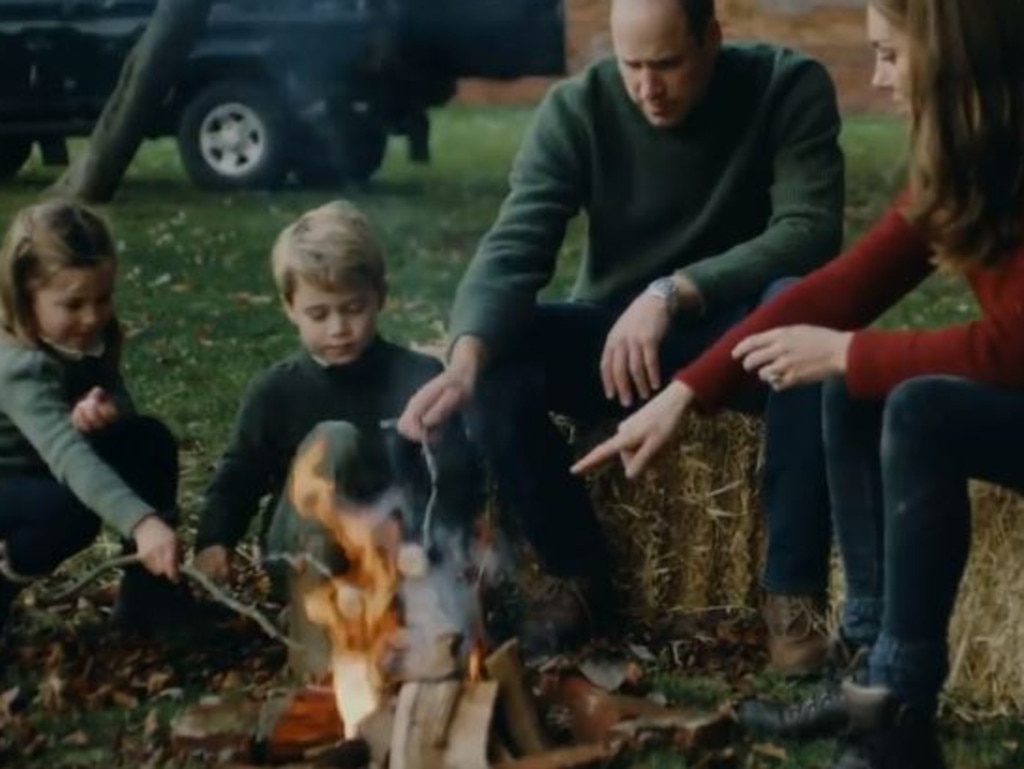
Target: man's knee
x,y
504,396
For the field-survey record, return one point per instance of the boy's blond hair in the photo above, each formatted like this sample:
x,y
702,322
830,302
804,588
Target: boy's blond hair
x,y
331,247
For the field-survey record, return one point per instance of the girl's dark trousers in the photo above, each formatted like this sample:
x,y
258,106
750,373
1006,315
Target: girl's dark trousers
x,y
42,523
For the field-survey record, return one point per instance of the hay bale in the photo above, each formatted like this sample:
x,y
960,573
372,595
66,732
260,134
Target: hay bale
x,y
987,637
687,535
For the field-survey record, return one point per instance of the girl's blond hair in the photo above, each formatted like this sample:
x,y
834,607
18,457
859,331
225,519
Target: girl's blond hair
x,y
967,124
331,247
42,240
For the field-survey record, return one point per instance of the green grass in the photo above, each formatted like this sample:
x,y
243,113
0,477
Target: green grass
x,y
196,296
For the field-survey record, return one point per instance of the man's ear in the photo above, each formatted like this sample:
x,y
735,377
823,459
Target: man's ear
x,y
712,36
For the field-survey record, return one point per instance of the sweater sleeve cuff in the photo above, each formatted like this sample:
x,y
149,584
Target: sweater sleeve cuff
x,y
866,364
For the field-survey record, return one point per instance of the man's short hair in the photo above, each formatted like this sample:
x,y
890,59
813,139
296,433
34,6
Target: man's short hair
x,y
699,13
331,247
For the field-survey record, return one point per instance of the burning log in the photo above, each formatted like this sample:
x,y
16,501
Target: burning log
x,y
292,726
516,711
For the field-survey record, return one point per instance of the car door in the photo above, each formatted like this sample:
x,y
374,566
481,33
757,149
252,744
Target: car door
x,y
96,36
28,45
487,38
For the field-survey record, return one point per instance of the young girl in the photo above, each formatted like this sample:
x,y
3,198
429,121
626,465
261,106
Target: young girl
x,y
73,453
909,416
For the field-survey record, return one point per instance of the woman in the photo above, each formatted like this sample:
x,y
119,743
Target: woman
x,y
909,415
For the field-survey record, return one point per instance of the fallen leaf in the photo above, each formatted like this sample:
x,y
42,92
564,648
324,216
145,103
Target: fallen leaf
x,y
151,725
79,739
771,750
609,675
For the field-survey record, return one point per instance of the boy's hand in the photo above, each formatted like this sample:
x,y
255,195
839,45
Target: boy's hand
x,y
94,411
157,546
215,562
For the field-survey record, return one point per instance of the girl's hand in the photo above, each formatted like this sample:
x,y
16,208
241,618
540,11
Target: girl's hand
x,y
643,434
157,546
215,562
94,411
795,355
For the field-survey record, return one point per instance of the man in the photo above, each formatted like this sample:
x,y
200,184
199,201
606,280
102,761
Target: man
x,y
707,172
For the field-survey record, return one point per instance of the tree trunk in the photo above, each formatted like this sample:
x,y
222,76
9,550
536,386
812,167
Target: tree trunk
x,y
148,72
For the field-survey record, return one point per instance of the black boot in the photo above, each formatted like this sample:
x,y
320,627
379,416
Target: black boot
x,y
887,734
822,715
148,604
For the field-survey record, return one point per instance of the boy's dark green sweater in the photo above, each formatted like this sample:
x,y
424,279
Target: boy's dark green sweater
x,y
284,404
749,188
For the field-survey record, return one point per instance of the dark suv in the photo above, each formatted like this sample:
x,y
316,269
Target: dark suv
x,y
312,87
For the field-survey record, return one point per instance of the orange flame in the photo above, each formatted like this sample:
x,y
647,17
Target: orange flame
x,y
357,608
476,659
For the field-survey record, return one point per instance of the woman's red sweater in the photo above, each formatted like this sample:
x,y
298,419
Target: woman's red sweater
x,y
854,289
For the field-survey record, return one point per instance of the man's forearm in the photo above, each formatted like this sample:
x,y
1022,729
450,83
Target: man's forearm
x,y
467,357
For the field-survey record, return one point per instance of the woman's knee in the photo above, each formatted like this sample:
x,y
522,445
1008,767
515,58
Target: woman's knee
x,y
919,408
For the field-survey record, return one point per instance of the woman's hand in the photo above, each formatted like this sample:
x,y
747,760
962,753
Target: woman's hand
x,y
215,562
94,411
157,546
795,355
643,434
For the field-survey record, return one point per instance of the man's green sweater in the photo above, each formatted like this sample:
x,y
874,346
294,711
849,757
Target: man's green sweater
x,y
38,388
748,189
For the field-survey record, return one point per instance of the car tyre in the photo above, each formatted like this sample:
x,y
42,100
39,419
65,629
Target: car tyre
x,y
363,143
232,135
14,151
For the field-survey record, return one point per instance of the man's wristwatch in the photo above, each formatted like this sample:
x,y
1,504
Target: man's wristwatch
x,y
666,290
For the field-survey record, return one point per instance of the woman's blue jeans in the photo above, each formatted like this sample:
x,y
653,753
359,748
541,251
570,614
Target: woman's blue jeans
x,y
898,470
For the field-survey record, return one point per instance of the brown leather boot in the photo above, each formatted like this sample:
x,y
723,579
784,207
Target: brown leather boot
x,y
821,715
798,642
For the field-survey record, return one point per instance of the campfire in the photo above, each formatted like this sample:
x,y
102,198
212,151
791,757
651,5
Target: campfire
x,y
407,682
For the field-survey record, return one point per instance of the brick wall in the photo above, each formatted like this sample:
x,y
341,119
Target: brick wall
x,y
830,30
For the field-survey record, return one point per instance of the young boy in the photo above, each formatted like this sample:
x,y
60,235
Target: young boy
x,y
340,387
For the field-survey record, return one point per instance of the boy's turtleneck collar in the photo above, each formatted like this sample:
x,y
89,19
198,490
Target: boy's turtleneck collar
x,y
369,353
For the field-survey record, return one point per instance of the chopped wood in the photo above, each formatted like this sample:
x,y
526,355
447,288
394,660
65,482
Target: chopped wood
x,y
413,742
566,758
376,729
516,710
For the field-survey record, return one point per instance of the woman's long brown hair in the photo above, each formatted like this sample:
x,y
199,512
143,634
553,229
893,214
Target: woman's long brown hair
x,y
967,124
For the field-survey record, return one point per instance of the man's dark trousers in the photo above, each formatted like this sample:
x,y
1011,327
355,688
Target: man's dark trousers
x,y
555,369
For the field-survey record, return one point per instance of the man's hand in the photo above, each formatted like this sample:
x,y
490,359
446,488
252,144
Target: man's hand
x,y
215,562
641,436
94,411
629,361
630,358
434,403
795,355
157,546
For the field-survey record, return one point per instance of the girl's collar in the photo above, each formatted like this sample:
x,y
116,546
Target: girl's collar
x,y
96,351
